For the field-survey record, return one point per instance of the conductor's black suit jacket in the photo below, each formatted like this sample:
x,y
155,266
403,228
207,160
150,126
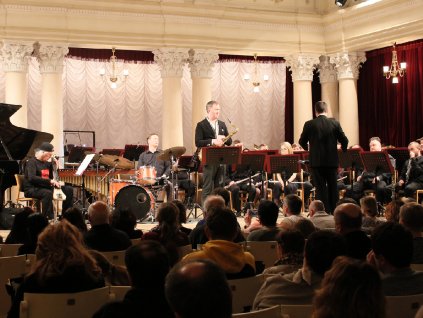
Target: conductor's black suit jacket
x,y
322,134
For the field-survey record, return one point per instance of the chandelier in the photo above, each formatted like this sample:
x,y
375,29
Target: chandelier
x,y
112,71
256,77
395,69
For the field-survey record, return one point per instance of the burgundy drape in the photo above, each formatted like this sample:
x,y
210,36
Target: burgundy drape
x,y
394,112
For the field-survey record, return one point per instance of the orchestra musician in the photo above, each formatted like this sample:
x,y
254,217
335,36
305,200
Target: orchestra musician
x,y
210,132
411,178
39,180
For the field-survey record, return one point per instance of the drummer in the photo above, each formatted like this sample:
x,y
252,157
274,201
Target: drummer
x,y
149,158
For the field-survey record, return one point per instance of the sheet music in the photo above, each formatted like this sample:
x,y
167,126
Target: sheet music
x,y
84,164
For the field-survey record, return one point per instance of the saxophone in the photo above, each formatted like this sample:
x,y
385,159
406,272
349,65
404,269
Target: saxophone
x,y
233,132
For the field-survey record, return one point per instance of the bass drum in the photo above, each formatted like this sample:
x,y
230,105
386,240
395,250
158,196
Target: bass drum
x,y
136,199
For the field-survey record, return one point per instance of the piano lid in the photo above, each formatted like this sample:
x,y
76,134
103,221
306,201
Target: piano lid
x,y
20,142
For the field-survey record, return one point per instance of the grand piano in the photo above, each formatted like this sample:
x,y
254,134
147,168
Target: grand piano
x,y
17,144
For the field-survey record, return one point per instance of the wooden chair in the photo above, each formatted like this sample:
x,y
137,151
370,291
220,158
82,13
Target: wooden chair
x,y
119,292
115,257
264,251
244,292
296,311
9,249
417,267
20,198
403,306
10,267
71,305
272,312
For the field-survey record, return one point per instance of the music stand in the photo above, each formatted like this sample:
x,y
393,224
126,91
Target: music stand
x,y
350,160
76,154
401,155
253,161
133,152
286,165
80,172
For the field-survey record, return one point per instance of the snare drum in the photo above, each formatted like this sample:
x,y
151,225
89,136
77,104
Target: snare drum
x,y
146,175
136,199
115,186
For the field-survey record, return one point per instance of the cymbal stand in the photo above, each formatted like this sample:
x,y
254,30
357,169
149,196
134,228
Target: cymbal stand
x,y
193,206
174,180
108,182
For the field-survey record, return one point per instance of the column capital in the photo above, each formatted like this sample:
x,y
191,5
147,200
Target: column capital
x,y
302,66
201,62
15,55
171,61
50,56
347,64
327,71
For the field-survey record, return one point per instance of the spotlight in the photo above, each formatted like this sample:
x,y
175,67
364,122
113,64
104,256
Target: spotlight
x,y
340,3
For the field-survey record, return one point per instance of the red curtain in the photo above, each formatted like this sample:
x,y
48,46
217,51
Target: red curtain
x,y
394,112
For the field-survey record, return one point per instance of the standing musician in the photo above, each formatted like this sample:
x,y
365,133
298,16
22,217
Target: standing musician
x,y
210,132
149,158
39,180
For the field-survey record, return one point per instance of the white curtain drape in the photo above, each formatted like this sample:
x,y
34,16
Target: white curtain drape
x,y
127,114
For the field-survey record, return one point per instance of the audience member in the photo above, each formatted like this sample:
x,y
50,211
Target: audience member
x,y
167,231
291,209
221,230
18,233
148,265
267,213
102,236
305,226
392,210
350,289
75,217
182,216
411,216
298,288
63,265
348,222
114,275
319,217
369,209
290,253
35,223
224,193
392,252
126,221
198,288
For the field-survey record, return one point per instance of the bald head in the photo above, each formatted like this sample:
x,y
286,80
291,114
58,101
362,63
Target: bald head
x,y
316,206
347,218
98,213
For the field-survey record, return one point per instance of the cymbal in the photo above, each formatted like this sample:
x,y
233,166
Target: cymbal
x,y
116,161
176,152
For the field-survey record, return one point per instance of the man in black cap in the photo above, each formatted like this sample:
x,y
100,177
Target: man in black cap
x,y
39,181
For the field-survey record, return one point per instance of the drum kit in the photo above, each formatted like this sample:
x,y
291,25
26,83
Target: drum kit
x,y
140,193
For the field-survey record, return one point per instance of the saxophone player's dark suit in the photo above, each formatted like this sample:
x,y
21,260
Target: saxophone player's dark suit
x,y
204,133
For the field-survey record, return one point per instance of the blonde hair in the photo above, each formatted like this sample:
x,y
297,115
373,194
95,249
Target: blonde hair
x,y
60,246
288,146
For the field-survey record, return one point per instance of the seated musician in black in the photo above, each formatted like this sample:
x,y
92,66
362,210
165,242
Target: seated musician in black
x,y
39,181
149,158
411,178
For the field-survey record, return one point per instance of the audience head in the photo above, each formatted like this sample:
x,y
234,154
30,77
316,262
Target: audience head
x,y
305,226
290,242
268,213
18,232
316,206
124,220
182,211
350,289
347,200
147,263
168,219
320,107
221,224
411,216
212,202
36,223
74,216
321,248
375,144
392,246
286,148
198,288
292,204
392,210
98,213
369,206
224,193
59,246
347,218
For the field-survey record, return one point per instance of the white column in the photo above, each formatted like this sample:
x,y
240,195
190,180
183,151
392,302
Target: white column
x,y
201,63
347,66
329,85
15,57
302,67
51,58
171,62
